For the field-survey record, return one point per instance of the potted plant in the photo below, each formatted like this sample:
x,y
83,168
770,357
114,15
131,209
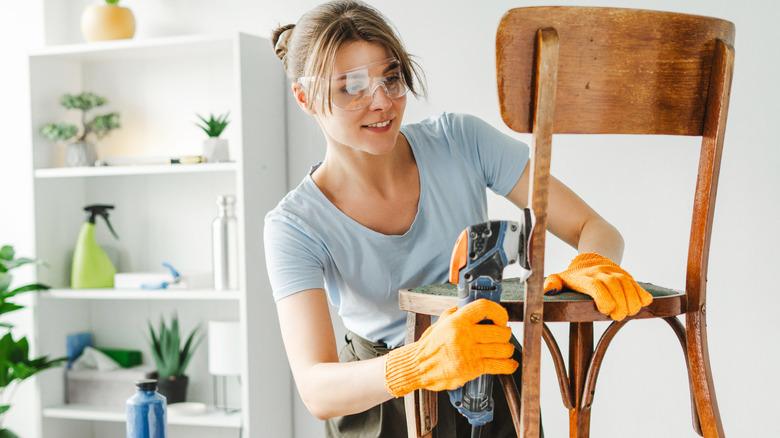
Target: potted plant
x,y
171,358
215,149
80,151
15,362
107,21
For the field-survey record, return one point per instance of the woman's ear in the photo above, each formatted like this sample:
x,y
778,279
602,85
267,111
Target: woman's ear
x,y
300,97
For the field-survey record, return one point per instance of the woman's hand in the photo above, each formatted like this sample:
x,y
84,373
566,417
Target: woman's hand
x,y
614,290
453,351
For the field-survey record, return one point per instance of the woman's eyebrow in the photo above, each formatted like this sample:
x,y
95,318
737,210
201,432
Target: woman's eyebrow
x,y
392,66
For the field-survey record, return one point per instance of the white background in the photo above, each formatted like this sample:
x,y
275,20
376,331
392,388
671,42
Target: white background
x,y
644,186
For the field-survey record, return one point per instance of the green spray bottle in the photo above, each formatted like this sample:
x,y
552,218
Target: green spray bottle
x,y
91,266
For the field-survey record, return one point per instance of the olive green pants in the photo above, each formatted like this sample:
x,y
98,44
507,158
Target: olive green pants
x,y
388,420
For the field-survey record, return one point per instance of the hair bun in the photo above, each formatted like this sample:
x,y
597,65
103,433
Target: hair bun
x,y
279,38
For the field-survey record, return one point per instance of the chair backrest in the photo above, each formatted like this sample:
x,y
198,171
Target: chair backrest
x,y
620,71
625,71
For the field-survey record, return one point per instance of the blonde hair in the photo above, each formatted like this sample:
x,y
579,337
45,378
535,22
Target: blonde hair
x,y
308,48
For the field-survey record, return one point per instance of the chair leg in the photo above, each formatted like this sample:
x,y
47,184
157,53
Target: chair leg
x,y
701,374
580,353
679,330
420,406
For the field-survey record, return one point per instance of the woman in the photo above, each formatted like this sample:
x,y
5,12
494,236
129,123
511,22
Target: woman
x,y
380,213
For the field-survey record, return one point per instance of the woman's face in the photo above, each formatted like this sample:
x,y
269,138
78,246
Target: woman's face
x,y
349,127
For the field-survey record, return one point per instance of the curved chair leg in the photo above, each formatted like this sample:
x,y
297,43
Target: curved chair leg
x,y
679,330
701,375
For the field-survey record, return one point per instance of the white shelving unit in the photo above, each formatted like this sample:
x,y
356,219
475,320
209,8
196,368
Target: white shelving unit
x,y
162,213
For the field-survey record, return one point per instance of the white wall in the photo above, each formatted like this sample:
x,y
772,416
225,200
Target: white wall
x,y
21,27
644,186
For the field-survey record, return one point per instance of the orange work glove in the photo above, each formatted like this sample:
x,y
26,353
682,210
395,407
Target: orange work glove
x,y
453,351
614,290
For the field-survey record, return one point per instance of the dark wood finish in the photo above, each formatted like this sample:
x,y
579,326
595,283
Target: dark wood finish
x,y
546,72
620,71
607,70
420,405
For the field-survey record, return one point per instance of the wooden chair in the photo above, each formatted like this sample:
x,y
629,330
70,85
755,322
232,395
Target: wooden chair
x,y
584,70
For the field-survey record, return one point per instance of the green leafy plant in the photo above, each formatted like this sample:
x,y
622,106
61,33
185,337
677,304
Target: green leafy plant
x,y
170,357
99,126
213,126
15,362
112,3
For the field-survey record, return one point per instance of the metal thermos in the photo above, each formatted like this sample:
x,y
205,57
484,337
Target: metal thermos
x,y
224,248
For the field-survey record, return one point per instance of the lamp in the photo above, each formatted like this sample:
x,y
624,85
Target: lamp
x,y
224,357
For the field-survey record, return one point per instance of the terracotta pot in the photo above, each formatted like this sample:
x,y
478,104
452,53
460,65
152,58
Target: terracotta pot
x,y
101,22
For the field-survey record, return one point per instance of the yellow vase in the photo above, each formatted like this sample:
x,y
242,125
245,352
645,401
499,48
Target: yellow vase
x,y
102,22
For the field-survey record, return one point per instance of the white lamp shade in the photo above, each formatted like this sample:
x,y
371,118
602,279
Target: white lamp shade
x,y
224,348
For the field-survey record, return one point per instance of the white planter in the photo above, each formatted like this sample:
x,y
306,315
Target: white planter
x,y
216,150
79,153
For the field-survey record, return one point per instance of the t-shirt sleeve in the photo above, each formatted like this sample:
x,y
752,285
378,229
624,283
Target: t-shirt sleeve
x,y
498,158
292,258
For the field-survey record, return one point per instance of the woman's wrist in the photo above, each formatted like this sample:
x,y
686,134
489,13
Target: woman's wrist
x,y
402,370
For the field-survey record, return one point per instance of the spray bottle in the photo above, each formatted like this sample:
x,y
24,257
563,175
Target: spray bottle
x,y
91,266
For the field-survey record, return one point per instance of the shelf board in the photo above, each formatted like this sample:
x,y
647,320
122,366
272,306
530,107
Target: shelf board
x,y
152,169
140,47
141,294
101,413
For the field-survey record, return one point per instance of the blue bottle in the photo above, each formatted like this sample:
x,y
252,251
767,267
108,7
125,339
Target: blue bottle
x,y
146,412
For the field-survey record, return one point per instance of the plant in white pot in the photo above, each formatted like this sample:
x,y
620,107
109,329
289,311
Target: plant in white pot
x,y
106,20
80,151
172,359
215,149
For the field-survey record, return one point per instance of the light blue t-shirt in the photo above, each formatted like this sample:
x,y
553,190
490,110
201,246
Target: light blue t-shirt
x,y
310,243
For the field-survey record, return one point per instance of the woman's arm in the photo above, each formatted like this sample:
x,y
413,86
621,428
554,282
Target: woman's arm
x,y
572,220
328,388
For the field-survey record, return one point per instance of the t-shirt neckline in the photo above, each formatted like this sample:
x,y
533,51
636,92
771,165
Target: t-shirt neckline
x,y
363,228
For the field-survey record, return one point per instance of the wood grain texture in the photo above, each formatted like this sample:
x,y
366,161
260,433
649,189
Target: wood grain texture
x,y
621,71
580,356
420,406
707,179
545,78
554,311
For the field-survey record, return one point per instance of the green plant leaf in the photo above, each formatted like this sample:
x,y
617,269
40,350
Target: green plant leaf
x,y
103,124
7,307
6,433
59,131
7,252
5,281
84,101
32,287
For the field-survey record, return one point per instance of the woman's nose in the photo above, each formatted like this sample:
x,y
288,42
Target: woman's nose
x,y
379,98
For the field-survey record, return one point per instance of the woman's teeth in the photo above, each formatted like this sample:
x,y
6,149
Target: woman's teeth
x,y
379,125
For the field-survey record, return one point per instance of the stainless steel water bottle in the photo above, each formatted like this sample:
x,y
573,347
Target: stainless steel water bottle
x,y
224,231
146,412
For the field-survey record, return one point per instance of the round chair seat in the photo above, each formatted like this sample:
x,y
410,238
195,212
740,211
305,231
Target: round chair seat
x,y
565,306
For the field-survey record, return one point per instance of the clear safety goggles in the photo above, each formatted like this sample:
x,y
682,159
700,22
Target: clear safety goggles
x,y
354,89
